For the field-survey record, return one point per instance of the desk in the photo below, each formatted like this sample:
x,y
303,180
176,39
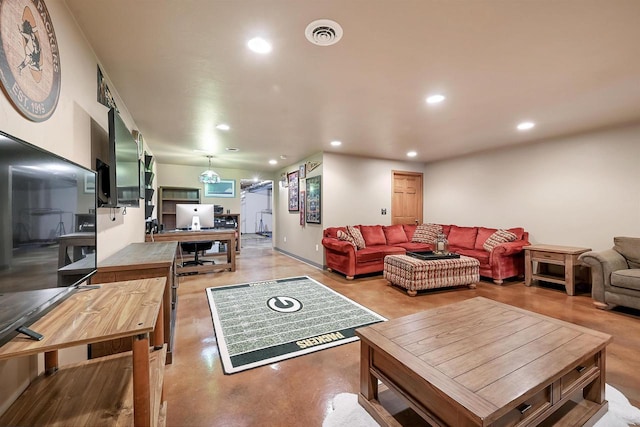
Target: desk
x,y
141,261
218,234
100,391
566,256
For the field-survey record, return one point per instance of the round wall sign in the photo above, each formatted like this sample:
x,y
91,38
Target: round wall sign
x,y
29,58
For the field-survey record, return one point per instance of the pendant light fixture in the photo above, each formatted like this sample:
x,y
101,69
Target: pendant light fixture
x,y
209,176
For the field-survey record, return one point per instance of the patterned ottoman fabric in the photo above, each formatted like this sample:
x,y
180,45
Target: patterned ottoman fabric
x,y
414,274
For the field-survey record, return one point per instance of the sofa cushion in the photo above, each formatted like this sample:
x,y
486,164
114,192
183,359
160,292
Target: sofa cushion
x,y
357,236
629,248
481,255
629,279
394,234
426,233
415,246
462,237
409,229
373,235
343,235
377,253
483,235
497,238
518,231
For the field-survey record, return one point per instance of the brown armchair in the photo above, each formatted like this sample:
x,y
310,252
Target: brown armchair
x,y
615,274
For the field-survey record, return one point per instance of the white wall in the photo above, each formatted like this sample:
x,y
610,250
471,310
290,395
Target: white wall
x,y
354,190
68,133
289,236
580,190
169,175
358,188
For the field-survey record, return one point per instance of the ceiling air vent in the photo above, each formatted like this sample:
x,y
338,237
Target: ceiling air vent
x,y
323,32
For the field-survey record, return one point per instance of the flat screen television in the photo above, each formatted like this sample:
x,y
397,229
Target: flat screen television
x,y
185,214
124,166
47,232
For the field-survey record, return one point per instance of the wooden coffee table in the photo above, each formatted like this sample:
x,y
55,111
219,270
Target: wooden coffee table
x,y
481,363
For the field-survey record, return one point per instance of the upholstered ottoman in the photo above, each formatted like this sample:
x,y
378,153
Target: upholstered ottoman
x,y
415,274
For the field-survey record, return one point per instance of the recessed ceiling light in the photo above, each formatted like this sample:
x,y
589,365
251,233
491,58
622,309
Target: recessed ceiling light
x,y
526,125
273,162
412,154
233,149
435,99
259,45
223,126
336,143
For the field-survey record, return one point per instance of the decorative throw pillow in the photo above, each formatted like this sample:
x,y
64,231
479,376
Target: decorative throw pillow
x,y
347,238
426,233
357,236
497,238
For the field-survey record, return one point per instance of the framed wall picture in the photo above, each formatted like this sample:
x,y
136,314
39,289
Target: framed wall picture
x,y
302,207
313,203
292,179
302,170
224,188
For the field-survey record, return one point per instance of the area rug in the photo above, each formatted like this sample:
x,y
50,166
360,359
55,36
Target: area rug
x,y
261,323
348,412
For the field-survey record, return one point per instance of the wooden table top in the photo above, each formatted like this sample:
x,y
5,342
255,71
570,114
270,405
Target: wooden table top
x,y
115,310
482,353
569,250
140,256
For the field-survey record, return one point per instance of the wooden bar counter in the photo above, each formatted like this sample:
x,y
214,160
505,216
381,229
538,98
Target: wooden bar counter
x,y
124,389
141,261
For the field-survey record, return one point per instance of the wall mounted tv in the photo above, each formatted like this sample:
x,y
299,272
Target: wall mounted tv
x,y
118,170
47,232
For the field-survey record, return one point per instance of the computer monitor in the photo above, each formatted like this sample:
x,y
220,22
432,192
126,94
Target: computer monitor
x,y
188,215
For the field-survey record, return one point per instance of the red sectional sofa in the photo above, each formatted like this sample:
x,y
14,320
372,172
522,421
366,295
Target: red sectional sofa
x,y
504,261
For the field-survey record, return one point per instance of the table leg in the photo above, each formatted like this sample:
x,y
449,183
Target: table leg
x,y
158,332
368,382
595,391
569,276
141,378
528,267
232,253
51,362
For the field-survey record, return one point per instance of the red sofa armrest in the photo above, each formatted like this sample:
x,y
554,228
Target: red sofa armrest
x,y
510,248
338,245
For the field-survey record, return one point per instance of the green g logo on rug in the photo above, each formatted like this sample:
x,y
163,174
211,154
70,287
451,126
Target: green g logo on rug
x,y
284,304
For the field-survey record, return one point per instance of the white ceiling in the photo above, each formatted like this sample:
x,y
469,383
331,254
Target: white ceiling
x,y
182,66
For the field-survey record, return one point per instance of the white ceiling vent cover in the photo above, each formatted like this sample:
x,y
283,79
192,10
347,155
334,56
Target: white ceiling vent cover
x,y
323,32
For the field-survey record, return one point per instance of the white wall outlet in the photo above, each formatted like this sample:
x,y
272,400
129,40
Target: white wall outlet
x,y
285,239
317,248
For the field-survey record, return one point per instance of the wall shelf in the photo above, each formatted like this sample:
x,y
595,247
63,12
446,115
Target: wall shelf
x,y
148,186
169,197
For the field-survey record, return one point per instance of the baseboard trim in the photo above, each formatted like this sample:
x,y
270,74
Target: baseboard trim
x,y
299,258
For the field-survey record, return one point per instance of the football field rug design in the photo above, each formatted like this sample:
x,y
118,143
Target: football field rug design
x,y
261,323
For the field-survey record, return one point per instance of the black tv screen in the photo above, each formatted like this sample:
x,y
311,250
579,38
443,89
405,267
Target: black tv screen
x,y
124,165
47,231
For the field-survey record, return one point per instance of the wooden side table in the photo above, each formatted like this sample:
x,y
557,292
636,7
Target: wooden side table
x,y
566,256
